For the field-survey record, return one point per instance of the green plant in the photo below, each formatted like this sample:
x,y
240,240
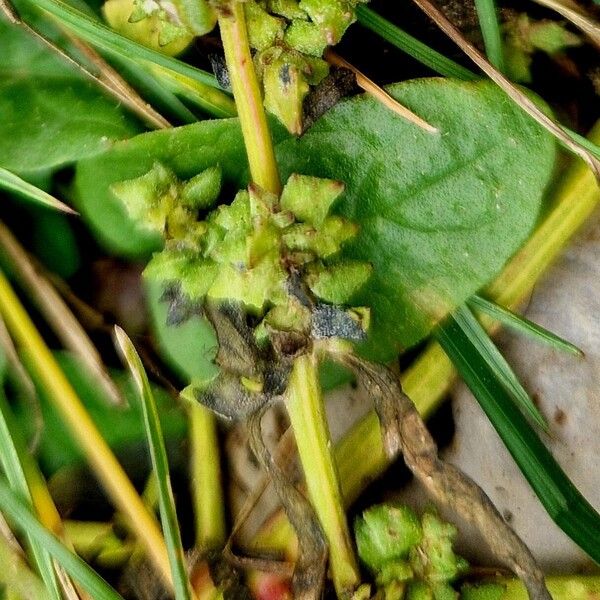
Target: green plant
x,y
380,236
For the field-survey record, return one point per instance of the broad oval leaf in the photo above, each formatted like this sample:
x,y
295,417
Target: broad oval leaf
x,y
439,214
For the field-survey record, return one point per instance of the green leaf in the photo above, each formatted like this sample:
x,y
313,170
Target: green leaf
x,y
51,116
160,466
561,499
439,214
18,512
121,427
522,325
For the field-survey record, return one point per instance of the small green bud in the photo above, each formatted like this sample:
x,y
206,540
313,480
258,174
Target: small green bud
x,y
193,275
315,70
435,560
169,32
291,316
290,9
332,16
419,590
235,216
443,591
306,37
310,198
285,87
263,29
386,533
149,198
396,570
322,242
337,283
197,15
201,192
253,288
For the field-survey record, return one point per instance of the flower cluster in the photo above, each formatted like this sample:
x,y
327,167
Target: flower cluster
x,y
411,558
276,257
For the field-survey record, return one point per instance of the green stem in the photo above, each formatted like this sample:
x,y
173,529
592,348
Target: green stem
x,y
205,469
246,91
307,416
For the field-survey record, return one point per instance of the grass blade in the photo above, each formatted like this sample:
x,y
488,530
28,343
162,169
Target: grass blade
x,y
412,46
497,364
106,39
191,90
522,325
160,465
561,499
490,29
15,573
13,183
17,511
10,451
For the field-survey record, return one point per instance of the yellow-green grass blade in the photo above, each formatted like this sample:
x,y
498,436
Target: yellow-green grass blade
x,y
17,511
11,448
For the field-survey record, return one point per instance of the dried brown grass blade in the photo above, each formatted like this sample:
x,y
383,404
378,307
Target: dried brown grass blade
x,y
509,88
57,313
377,92
404,431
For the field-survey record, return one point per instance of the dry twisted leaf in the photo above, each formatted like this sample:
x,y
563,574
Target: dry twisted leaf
x,y
404,431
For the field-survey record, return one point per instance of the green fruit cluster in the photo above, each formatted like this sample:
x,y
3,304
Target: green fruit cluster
x,y
289,38
255,252
411,558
